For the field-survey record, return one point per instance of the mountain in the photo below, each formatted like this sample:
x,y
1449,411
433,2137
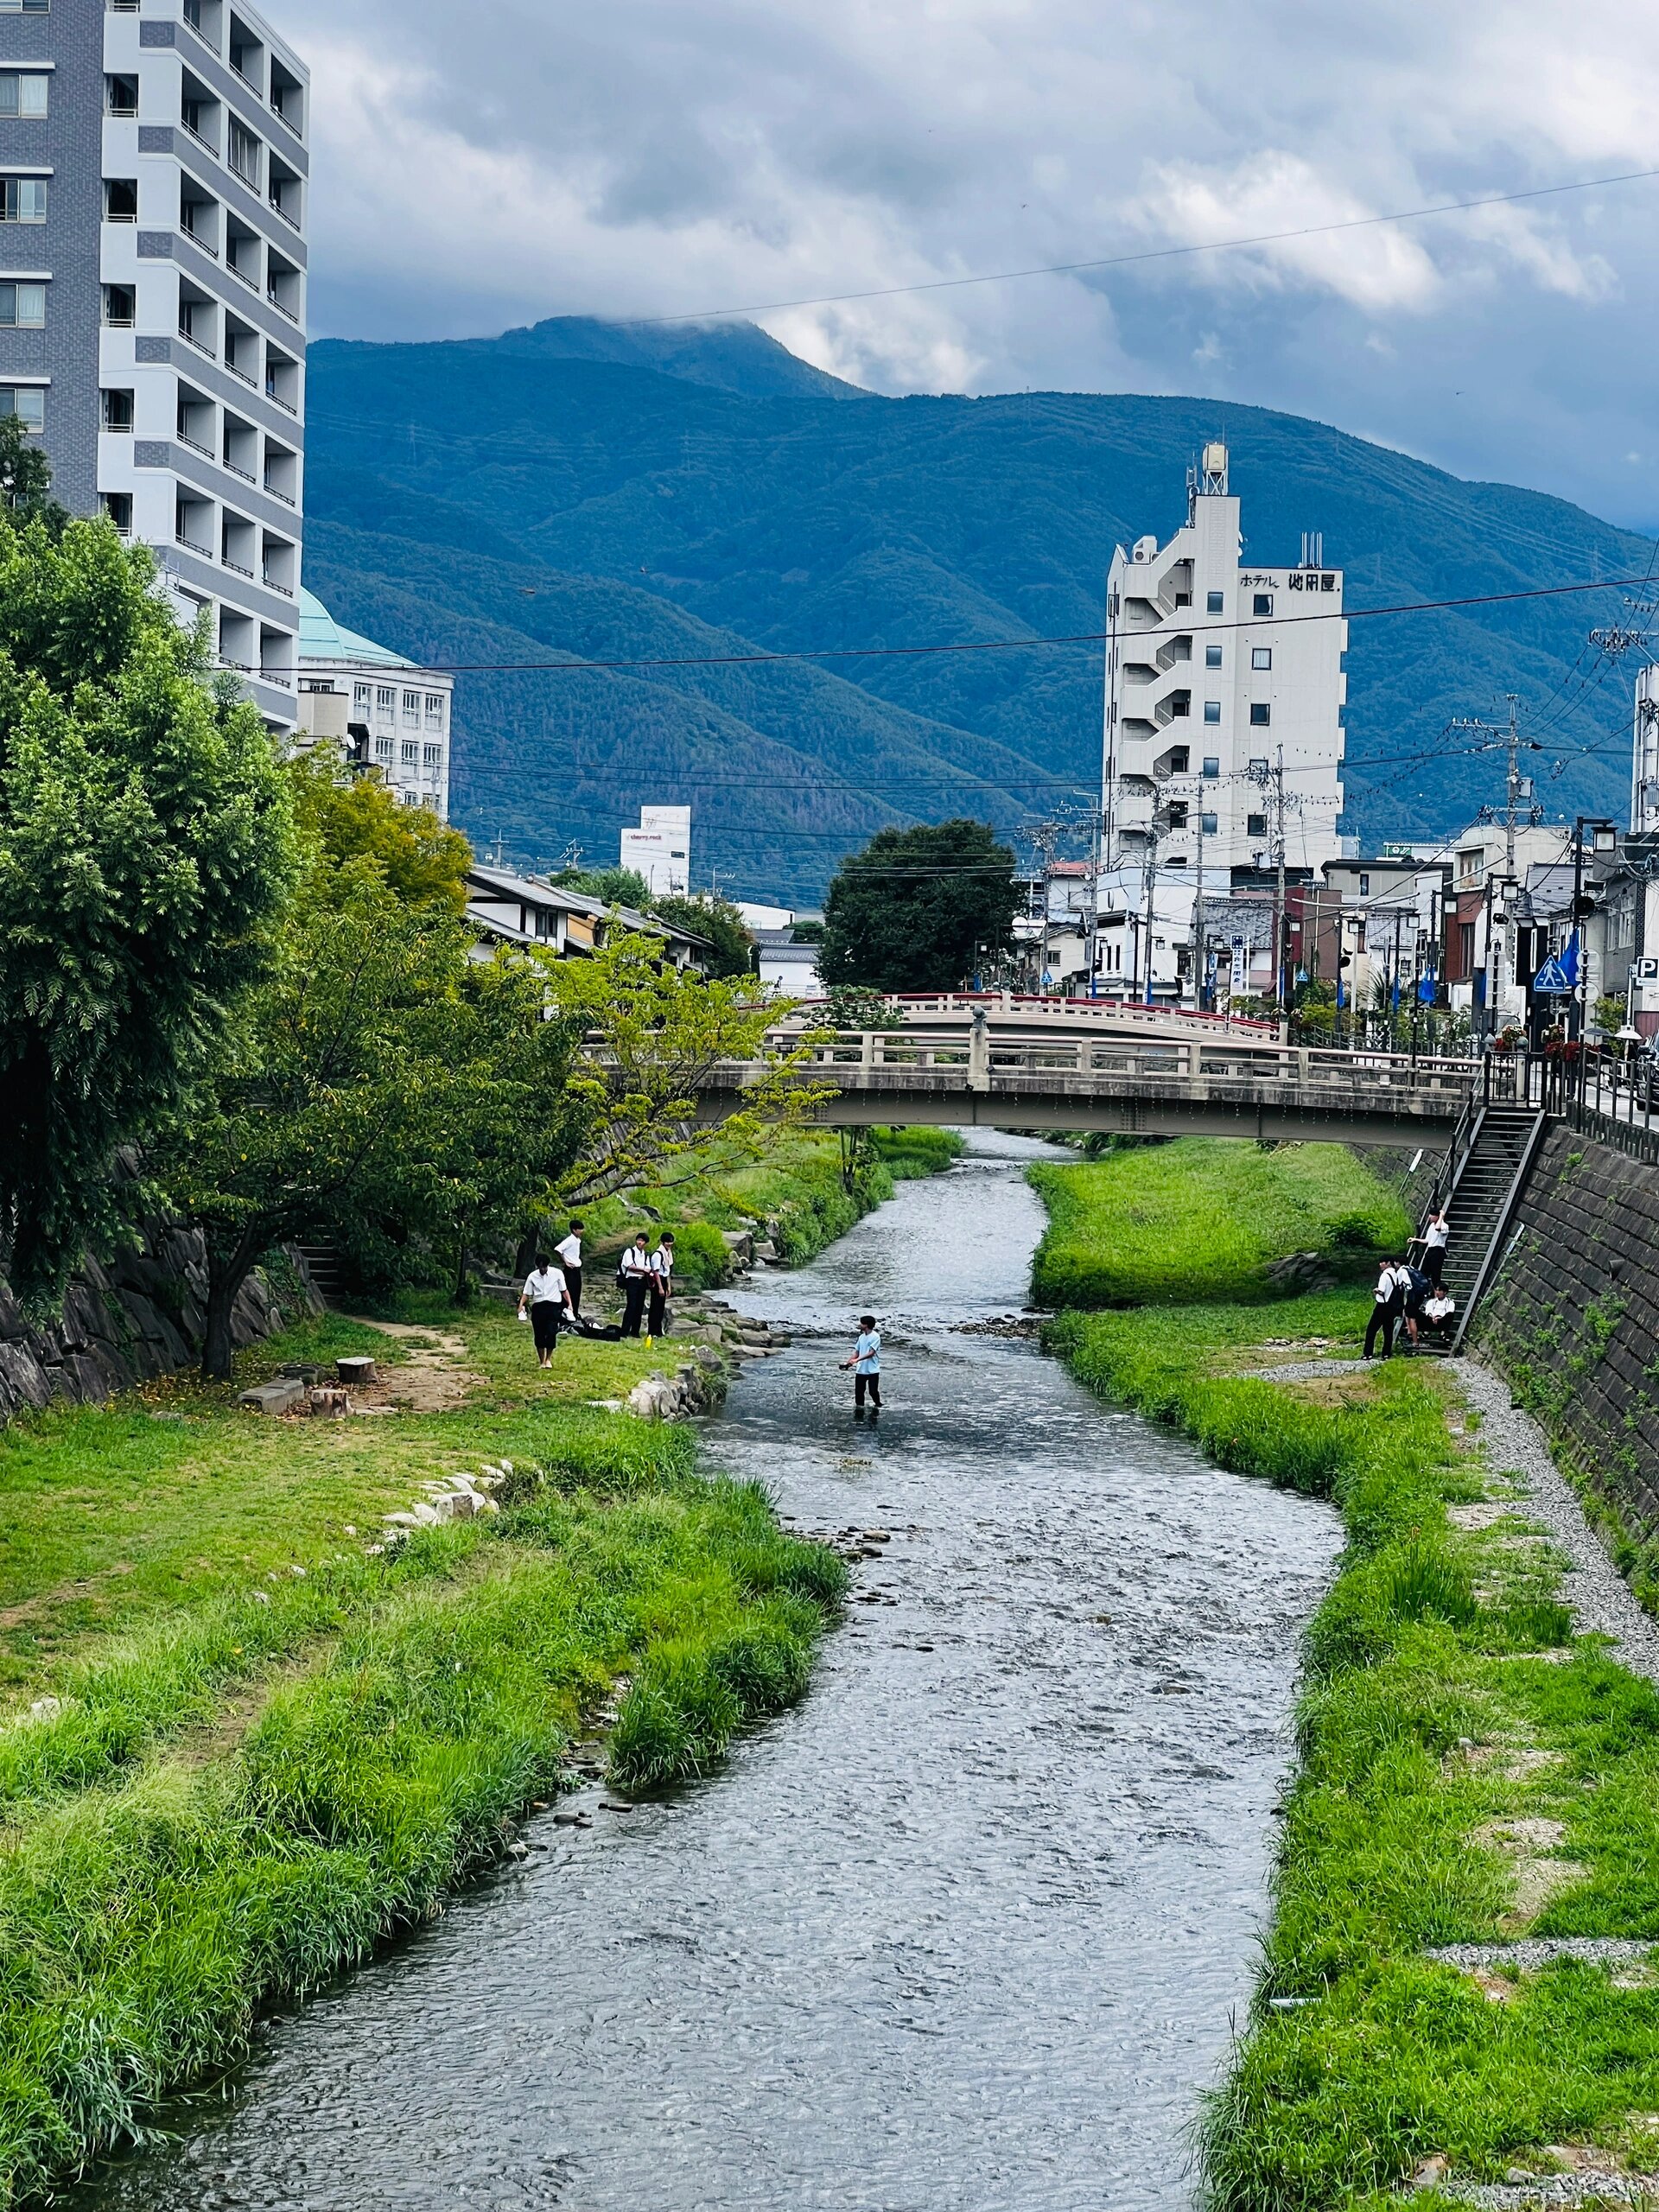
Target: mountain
x,y
684,495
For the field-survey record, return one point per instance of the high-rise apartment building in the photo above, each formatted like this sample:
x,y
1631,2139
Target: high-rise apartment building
x,y
1220,673
1223,740
153,165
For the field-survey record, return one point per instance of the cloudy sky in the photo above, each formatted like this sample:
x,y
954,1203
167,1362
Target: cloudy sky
x,y
484,166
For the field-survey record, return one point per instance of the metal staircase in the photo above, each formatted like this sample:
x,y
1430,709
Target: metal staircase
x,y
1488,1165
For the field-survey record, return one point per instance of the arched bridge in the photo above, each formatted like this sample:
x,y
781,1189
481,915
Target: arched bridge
x,y
1132,1071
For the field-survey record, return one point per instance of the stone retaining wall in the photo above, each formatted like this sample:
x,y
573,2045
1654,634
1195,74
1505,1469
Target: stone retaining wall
x,y
141,1315
1572,1320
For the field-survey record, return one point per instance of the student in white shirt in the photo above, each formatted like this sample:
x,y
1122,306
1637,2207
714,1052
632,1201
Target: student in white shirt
x,y
545,1295
568,1252
1434,1240
662,1286
634,1273
866,1364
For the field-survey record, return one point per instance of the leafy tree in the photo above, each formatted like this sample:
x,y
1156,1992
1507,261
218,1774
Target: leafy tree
x,y
26,478
617,887
357,817
717,920
330,1093
657,1035
145,849
908,913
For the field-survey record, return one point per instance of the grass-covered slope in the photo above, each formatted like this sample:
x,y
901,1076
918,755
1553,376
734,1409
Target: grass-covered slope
x,y
1202,1218
241,1749
1469,1772
708,477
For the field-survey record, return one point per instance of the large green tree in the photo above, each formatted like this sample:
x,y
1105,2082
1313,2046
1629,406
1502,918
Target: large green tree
x,y
718,923
910,911
145,850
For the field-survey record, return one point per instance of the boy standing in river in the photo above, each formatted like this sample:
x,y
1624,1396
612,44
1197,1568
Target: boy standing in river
x,y
866,1364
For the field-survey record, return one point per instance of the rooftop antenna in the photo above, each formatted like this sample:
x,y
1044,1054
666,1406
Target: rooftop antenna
x,y
1208,480
1312,549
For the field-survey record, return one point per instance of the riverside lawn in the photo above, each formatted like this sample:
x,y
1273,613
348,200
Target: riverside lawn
x,y
1469,1772
267,1750
1200,1218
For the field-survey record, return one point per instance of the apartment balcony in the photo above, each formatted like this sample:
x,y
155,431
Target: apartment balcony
x,y
1175,706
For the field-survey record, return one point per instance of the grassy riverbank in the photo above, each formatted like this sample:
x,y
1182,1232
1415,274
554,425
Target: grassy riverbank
x,y
1468,1772
1202,1218
799,1194
241,1751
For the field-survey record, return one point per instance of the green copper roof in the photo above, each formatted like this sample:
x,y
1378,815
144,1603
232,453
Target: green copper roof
x,y
322,638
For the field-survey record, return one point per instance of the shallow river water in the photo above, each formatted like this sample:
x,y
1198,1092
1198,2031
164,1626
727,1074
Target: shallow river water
x,y
967,1929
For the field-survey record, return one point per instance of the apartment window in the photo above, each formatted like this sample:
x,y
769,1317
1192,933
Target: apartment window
x,y
411,754
22,199
121,96
120,306
385,701
118,508
432,758
22,307
1212,710
360,693
383,750
1212,766
412,709
245,153
1262,603
23,7
120,199
1212,655
1260,714
1260,655
1365,886
23,95
1211,824
27,402
1255,825
115,411
434,710
1214,602
411,799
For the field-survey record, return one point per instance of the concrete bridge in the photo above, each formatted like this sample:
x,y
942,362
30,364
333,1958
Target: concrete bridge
x,y
1078,1065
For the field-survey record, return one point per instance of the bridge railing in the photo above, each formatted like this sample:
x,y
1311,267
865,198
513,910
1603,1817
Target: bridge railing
x,y
978,1054
1045,1007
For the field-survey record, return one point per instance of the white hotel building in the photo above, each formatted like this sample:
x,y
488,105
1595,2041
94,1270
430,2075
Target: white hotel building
x,y
1225,698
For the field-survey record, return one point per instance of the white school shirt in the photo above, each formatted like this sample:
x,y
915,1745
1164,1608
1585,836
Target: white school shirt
x,y
662,1264
868,1352
571,1250
543,1285
635,1262
1435,1235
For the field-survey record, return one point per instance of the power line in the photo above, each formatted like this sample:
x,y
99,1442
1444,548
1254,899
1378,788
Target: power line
x,y
1005,645
1160,252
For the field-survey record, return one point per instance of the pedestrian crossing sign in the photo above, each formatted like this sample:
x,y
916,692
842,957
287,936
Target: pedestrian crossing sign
x,y
1552,980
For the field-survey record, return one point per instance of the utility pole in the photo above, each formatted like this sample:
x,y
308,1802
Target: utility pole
x,y
1151,868
1200,949
1279,941
1517,788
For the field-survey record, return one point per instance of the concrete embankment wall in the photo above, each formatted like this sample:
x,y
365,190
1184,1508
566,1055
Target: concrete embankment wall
x,y
1573,1321
142,1315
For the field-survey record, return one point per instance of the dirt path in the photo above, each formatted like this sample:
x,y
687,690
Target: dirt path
x,y
433,1379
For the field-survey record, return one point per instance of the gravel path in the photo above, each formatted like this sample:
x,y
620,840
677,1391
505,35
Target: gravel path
x,y
1593,1586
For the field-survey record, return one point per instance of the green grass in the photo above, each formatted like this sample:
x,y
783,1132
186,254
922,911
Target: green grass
x,y
1200,1219
256,1752
1431,1638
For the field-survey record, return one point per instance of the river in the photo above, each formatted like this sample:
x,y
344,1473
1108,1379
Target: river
x,y
966,1930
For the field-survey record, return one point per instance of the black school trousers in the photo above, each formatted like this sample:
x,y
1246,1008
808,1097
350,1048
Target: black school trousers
x,y
633,1304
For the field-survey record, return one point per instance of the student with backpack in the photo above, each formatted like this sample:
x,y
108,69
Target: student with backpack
x,y
634,1273
661,1286
1387,1301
